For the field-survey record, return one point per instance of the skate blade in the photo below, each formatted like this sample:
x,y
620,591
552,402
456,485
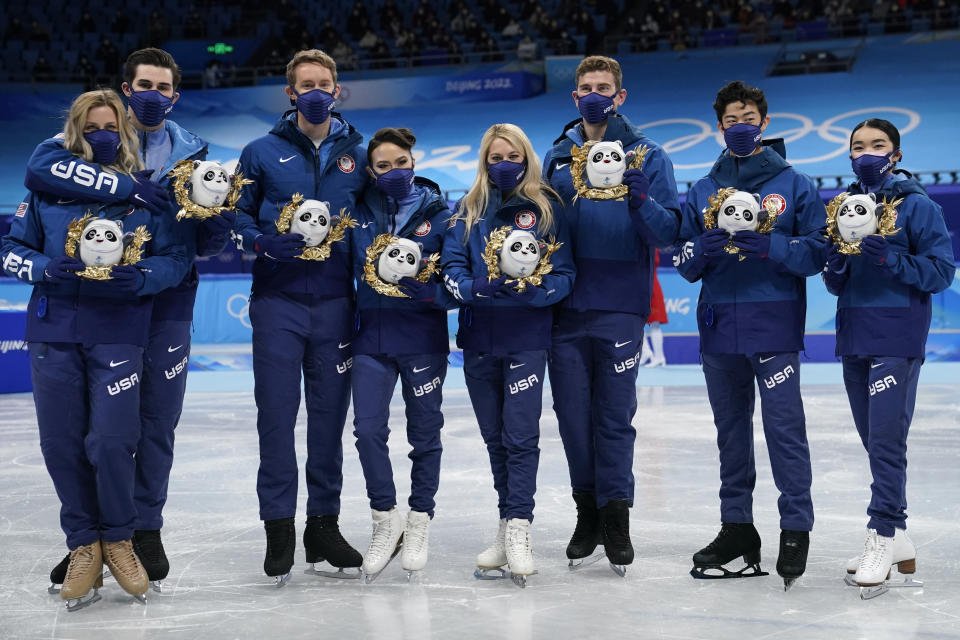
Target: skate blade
x,y
619,569
281,581
788,583
156,586
339,574
489,573
580,563
140,597
370,577
76,604
54,589
519,579
750,571
873,591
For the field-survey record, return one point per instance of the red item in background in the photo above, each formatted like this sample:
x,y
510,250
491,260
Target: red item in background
x,y
658,310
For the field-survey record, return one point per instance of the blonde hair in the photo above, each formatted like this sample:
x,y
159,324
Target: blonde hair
x,y
310,55
127,160
600,63
474,204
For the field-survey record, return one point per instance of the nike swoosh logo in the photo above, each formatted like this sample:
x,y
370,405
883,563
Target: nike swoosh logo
x,y
62,201
340,345
619,344
415,370
172,349
480,295
874,366
562,165
517,365
762,360
365,225
117,364
287,159
136,196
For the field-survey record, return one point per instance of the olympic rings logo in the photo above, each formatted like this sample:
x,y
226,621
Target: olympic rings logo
x,y
240,311
829,130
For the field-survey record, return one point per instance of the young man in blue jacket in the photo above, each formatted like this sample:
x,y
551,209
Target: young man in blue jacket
x,y
598,330
151,79
751,319
302,311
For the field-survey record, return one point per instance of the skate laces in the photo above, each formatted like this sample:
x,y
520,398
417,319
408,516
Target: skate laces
x,y
81,559
382,532
874,549
276,539
122,556
415,535
519,537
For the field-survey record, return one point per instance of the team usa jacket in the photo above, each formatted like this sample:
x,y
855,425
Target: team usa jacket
x,y
53,169
614,261
884,310
87,311
758,304
391,325
285,162
501,325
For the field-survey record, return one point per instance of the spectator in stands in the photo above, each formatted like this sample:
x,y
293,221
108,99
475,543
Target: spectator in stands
x,y
459,20
107,54
390,15
369,39
944,16
344,55
86,24
85,72
490,9
211,75
274,61
42,71
158,29
357,22
195,26
121,22
760,28
473,31
380,56
565,45
39,33
512,29
501,19
527,49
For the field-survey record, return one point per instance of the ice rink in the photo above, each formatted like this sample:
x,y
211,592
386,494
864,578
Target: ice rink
x,y
215,542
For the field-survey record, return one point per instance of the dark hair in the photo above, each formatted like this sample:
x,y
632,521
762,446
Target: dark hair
x,y
401,137
879,123
153,57
737,91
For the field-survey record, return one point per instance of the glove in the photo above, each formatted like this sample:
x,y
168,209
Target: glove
x,y
282,248
752,243
713,241
638,185
419,291
62,269
483,289
221,224
876,249
525,296
836,261
148,195
126,278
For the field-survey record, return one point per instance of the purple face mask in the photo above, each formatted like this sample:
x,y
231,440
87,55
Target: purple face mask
x,y
507,175
742,139
596,108
105,145
396,183
871,169
315,105
151,107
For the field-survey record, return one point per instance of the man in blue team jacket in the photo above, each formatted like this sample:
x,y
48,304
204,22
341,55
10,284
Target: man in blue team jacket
x,y
751,318
598,328
302,311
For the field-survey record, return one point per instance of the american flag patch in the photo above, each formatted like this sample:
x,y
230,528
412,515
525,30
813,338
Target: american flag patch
x,y
21,210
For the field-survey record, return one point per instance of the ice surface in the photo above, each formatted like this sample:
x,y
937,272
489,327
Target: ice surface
x,y
215,542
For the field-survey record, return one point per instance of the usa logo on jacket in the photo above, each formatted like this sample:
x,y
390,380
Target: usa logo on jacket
x,y
423,229
346,163
778,200
525,219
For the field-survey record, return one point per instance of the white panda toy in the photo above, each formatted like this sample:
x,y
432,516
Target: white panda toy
x,y
101,243
739,212
606,164
312,221
857,217
519,254
209,184
401,259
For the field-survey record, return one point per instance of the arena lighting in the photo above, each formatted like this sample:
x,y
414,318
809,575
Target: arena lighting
x,y
220,48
